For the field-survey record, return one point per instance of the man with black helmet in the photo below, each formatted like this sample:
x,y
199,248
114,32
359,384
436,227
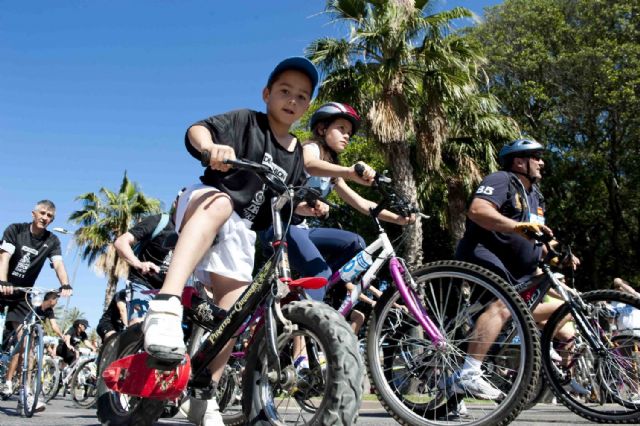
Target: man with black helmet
x,y
506,206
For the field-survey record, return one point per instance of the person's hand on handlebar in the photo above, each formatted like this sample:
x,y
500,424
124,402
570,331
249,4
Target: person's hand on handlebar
x,y
217,155
362,174
529,229
147,268
5,288
405,220
319,209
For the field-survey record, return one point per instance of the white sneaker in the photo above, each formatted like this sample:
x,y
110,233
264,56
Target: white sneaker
x,y
212,416
193,409
163,337
40,405
7,388
473,383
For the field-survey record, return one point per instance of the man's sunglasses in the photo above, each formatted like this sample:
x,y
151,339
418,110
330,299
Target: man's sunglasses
x,y
535,156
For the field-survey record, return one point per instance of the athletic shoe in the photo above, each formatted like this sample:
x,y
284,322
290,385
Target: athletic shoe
x,y
212,416
7,388
473,383
163,337
40,405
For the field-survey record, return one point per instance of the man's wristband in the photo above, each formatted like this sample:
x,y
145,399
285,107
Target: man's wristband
x,y
205,158
65,287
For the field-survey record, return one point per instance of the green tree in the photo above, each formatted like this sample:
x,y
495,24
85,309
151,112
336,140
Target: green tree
x,y
104,216
569,72
377,70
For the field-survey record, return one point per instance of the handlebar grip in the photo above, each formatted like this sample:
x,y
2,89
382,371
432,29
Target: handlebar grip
x,y
359,169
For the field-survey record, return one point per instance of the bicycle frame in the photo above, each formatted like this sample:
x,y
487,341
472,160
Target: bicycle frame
x,y
398,270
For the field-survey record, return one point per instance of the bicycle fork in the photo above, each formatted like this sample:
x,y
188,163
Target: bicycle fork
x,y
398,272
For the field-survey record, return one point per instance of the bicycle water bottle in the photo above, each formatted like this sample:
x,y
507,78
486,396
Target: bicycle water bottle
x,y
355,266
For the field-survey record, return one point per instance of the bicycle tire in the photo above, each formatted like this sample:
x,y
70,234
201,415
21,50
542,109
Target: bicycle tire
x,y
119,410
412,379
86,371
609,372
50,378
32,372
341,387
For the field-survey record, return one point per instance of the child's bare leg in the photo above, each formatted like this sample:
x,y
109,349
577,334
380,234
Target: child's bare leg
x,y
225,291
207,211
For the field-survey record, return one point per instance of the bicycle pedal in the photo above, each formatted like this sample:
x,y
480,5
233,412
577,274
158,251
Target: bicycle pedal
x,y
147,377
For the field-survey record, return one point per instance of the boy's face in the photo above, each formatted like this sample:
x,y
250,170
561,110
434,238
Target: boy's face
x,y
289,97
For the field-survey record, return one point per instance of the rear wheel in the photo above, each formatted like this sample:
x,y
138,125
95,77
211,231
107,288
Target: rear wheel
x,y
116,409
328,392
32,370
599,385
413,378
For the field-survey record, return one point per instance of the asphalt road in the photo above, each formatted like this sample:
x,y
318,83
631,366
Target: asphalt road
x,y
63,412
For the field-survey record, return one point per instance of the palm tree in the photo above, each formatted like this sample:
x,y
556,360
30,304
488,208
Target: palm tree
x,y
378,69
104,216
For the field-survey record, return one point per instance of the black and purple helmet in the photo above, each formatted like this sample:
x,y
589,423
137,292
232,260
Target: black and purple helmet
x,y
333,110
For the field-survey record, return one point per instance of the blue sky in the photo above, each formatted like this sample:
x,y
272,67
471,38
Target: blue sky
x,y
89,89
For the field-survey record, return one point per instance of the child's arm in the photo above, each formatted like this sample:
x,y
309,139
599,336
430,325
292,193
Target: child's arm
x,y
363,205
212,154
318,167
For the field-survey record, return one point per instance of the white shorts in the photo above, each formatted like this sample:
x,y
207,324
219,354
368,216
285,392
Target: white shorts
x,y
233,253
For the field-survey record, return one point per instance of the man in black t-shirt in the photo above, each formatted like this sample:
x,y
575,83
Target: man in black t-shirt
x,y
154,239
506,206
68,347
24,250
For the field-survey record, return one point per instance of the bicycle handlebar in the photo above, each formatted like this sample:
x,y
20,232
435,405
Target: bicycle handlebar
x,y
395,200
310,195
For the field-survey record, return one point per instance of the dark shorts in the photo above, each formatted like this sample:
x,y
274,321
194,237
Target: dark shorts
x,y
67,355
18,311
105,325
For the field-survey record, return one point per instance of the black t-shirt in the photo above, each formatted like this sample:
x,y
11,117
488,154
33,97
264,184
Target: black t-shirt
x,y
28,254
47,314
76,339
249,134
158,250
519,255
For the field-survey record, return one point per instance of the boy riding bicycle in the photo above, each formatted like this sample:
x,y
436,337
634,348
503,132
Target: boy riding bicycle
x,y
216,218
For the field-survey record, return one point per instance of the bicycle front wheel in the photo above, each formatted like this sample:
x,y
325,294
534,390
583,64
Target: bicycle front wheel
x,y
329,392
416,381
601,384
32,370
84,383
50,378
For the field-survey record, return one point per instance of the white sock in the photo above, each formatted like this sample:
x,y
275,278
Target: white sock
x,y
471,364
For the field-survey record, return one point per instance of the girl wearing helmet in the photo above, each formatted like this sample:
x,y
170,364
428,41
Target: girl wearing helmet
x,y
319,251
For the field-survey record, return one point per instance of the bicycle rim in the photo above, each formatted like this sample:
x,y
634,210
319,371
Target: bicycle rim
x,y
32,370
601,386
50,378
83,384
414,379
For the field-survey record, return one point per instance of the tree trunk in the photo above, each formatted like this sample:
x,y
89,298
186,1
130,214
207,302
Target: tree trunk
x,y
398,156
456,207
110,291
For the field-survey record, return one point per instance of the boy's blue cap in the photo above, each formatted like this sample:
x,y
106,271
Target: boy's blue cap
x,y
298,63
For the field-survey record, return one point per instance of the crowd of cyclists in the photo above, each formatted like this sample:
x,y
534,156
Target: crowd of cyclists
x,y
213,225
